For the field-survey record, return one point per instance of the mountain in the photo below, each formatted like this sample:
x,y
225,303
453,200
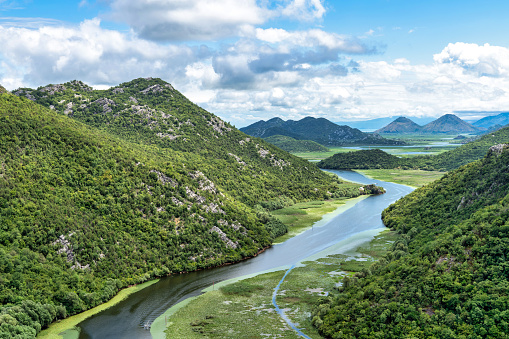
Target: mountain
x,y
319,130
374,124
400,125
449,123
447,276
104,189
295,146
151,112
487,122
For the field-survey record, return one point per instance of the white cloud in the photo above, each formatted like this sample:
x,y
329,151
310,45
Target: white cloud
x,y
57,54
483,60
306,10
314,38
180,20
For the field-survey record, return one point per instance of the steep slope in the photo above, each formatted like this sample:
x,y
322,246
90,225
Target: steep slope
x,y
501,119
293,146
400,125
449,123
151,111
447,277
319,130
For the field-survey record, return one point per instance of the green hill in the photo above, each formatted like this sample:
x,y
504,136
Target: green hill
x,y
400,125
450,124
293,146
93,200
151,112
363,159
447,276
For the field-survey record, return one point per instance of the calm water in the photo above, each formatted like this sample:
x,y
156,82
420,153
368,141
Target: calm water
x,y
126,319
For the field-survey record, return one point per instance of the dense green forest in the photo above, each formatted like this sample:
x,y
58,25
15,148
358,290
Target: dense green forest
x,y
447,277
295,146
92,204
377,159
363,159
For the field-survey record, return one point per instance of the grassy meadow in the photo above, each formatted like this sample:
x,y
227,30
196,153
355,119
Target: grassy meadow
x,y
413,178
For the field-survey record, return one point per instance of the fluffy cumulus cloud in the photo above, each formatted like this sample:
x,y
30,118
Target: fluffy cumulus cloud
x,y
485,60
180,20
88,52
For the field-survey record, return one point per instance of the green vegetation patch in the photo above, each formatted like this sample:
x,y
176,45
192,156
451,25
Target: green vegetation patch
x,y
241,288
292,145
414,178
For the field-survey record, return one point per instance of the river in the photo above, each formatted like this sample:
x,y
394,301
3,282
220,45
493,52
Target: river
x,y
127,319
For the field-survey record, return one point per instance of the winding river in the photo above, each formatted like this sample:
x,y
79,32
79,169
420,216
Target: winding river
x,y
127,319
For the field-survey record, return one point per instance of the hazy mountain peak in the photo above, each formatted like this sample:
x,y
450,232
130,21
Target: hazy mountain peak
x,y
401,125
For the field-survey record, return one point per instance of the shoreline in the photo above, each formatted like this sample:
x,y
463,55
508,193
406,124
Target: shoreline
x,y
159,325
56,329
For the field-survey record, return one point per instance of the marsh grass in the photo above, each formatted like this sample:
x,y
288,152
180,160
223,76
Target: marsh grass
x,y
229,313
301,216
414,178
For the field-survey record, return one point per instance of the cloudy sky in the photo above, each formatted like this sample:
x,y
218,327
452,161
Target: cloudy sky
x,y
247,60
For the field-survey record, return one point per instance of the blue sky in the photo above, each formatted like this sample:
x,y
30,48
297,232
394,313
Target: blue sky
x,y
247,60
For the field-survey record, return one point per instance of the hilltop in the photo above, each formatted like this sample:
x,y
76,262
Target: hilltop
x,y
401,125
446,276
152,112
319,130
449,123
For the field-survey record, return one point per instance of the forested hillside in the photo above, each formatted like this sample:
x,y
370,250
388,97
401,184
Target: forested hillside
x,y
448,275
85,211
363,159
292,145
152,112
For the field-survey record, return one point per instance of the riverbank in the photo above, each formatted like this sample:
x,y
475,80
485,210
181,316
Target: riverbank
x,y
244,308
302,216
66,328
412,178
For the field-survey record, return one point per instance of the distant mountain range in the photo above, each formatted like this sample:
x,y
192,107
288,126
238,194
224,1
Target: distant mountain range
x,y
501,119
448,123
319,130
374,124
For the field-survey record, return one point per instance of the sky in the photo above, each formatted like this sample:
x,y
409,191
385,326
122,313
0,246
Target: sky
x,y
250,60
